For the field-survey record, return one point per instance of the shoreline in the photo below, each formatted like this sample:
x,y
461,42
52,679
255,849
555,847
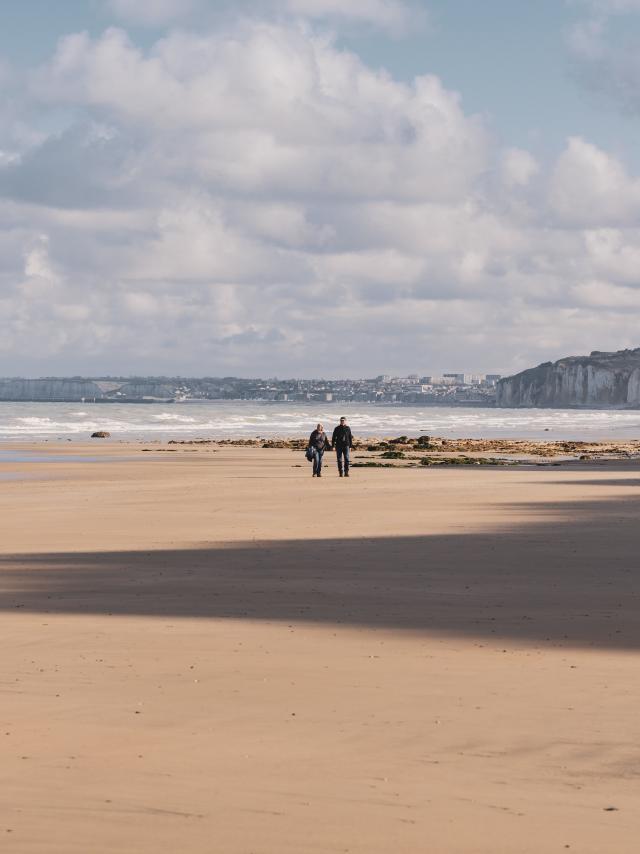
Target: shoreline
x,y
489,403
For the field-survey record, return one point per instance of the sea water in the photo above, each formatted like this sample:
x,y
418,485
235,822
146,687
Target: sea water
x,y
224,419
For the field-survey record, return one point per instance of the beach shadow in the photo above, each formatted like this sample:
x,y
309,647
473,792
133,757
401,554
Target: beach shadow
x,y
609,481
569,577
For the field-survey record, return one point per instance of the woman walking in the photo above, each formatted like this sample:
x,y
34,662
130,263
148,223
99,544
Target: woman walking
x,y
318,444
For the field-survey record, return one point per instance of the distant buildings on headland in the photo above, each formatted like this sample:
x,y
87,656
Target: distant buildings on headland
x,y
445,389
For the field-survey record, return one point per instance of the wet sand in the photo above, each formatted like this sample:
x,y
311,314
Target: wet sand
x,y
208,650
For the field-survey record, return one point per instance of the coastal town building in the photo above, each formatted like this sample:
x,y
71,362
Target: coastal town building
x,y
450,388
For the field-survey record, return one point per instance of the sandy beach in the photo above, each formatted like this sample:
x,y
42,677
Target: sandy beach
x,y
209,651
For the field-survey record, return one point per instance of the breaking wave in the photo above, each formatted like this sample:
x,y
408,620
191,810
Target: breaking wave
x,y
226,419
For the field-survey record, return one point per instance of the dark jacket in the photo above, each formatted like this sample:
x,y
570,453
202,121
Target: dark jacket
x,y
342,437
319,441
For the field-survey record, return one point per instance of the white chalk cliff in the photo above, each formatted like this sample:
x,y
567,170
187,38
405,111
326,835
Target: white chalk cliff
x,y
601,380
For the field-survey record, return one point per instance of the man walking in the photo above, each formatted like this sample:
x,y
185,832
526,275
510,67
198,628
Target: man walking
x,y
342,441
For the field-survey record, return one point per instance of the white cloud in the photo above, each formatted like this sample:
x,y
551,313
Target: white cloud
x,y
518,167
256,200
604,295
278,111
614,255
37,264
589,187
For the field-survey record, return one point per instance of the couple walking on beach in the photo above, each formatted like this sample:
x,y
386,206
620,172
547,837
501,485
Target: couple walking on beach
x,y
341,441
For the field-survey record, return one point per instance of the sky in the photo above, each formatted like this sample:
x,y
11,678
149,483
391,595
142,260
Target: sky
x,y
317,188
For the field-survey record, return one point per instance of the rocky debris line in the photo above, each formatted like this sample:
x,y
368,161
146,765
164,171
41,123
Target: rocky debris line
x,y
293,444
415,462
298,444
101,434
604,380
372,464
403,447
541,449
466,461
505,446
193,442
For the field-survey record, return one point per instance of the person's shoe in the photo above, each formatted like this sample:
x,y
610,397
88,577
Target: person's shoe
x,y
319,475
340,473
346,474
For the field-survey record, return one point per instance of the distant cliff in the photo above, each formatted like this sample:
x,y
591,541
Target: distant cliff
x,y
49,389
79,389
601,380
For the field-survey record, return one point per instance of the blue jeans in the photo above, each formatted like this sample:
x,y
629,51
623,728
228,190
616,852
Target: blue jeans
x,y
343,454
317,460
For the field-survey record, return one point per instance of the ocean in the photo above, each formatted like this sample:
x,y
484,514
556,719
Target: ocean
x,y
250,419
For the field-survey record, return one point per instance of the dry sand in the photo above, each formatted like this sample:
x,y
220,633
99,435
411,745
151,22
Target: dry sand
x,y
209,651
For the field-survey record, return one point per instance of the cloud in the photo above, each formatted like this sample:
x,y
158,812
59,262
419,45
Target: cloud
x,y
254,199
518,167
589,187
604,295
274,110
613,255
